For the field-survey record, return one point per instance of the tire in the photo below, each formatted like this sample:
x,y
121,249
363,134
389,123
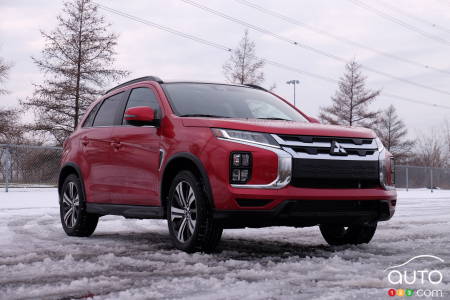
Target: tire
x,y
354,234
74,218
189,216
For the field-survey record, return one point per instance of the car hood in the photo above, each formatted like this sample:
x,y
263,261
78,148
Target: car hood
x,y
280,127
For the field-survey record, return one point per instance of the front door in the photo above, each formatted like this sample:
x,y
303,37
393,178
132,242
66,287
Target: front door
x,y
136,156
95,141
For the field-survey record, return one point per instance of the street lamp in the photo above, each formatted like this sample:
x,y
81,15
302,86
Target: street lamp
x,y
294,82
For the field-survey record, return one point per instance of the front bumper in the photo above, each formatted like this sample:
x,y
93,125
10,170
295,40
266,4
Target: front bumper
x,y
273,197
303,213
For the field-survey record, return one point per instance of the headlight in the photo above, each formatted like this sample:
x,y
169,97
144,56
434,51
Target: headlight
x,y
379,144
246,136
387,170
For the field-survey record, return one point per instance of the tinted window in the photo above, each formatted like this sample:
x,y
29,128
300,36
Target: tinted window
x,y
91,116
228,101
142,97
108,111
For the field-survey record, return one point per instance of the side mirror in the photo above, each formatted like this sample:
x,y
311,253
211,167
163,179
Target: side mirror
x,y
140,116
314,120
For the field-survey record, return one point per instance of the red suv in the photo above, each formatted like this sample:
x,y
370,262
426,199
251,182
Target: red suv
x,y
209,156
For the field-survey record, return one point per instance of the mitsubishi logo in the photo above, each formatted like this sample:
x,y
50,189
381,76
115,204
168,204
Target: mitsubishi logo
x,y
337,149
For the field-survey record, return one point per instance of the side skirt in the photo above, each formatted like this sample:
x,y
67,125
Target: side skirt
x,y
127,211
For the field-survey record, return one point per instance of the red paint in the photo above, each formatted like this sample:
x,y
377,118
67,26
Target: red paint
x,y
121,164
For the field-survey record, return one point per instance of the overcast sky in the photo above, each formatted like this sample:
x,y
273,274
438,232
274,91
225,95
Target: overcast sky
x,y
148,51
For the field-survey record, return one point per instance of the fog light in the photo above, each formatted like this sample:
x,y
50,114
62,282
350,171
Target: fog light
x,y
236,159
245,160
236,175
244,175
240,167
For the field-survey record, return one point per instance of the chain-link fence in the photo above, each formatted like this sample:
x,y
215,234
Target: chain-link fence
x,y
422,177
29,166
38,166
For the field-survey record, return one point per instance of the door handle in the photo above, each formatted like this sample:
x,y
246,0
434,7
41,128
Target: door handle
x,y
116,145
84,141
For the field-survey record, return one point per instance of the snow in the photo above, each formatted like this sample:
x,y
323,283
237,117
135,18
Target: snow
x,y
134,259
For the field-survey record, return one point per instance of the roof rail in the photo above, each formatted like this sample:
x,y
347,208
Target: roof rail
x,y
256,87
145,78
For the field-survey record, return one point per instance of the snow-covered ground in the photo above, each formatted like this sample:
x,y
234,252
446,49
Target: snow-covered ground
x,y
133,259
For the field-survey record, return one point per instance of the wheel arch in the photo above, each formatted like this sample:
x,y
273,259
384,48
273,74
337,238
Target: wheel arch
x,y
184,161
66,170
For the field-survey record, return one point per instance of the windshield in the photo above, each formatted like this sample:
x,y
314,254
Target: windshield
x,y
227,101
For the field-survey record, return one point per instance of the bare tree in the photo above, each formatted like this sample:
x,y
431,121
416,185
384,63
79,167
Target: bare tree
x,y
430,151
350,104
4,69
393,133
244,66
447,140
78,62
11,131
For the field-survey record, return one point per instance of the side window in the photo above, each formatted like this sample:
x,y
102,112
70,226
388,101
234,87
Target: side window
x,y
91,116
108,111
142,97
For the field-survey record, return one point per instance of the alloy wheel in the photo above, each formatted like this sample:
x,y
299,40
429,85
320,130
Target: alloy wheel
x,y
183,211
71,204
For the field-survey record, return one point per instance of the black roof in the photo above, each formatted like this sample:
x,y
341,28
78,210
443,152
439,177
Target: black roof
x,y
159,80
145,78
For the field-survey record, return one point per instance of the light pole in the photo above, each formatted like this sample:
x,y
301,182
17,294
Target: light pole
x,y
294,82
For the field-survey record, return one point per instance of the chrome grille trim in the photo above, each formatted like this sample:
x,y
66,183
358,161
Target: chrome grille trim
x,y
302,155
290,147
372,146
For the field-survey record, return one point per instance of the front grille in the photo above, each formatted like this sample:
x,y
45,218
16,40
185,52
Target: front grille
x,y
334,169
326,150
323,173
306,146
253,202
324,139
332,206
316,164
335,183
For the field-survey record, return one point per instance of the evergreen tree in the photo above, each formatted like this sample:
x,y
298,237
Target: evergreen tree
x,y
350,105
77,62
244,66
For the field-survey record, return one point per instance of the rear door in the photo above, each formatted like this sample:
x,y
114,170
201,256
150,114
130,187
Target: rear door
x,y
96,144
136,155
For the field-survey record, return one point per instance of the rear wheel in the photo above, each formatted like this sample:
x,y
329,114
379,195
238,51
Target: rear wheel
x,y
353,234
189,217
74,218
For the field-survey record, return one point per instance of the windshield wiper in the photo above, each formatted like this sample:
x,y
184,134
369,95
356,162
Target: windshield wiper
x,y
281,119
203,116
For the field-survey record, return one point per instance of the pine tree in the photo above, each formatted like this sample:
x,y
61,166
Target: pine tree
x,y
77,62
243,66
350,105
393,134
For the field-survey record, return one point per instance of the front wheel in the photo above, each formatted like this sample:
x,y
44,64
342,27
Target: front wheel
x,y
352,234
74,218
189,217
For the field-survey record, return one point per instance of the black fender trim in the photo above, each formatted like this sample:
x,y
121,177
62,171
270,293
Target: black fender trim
x,y
198,163
80,176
